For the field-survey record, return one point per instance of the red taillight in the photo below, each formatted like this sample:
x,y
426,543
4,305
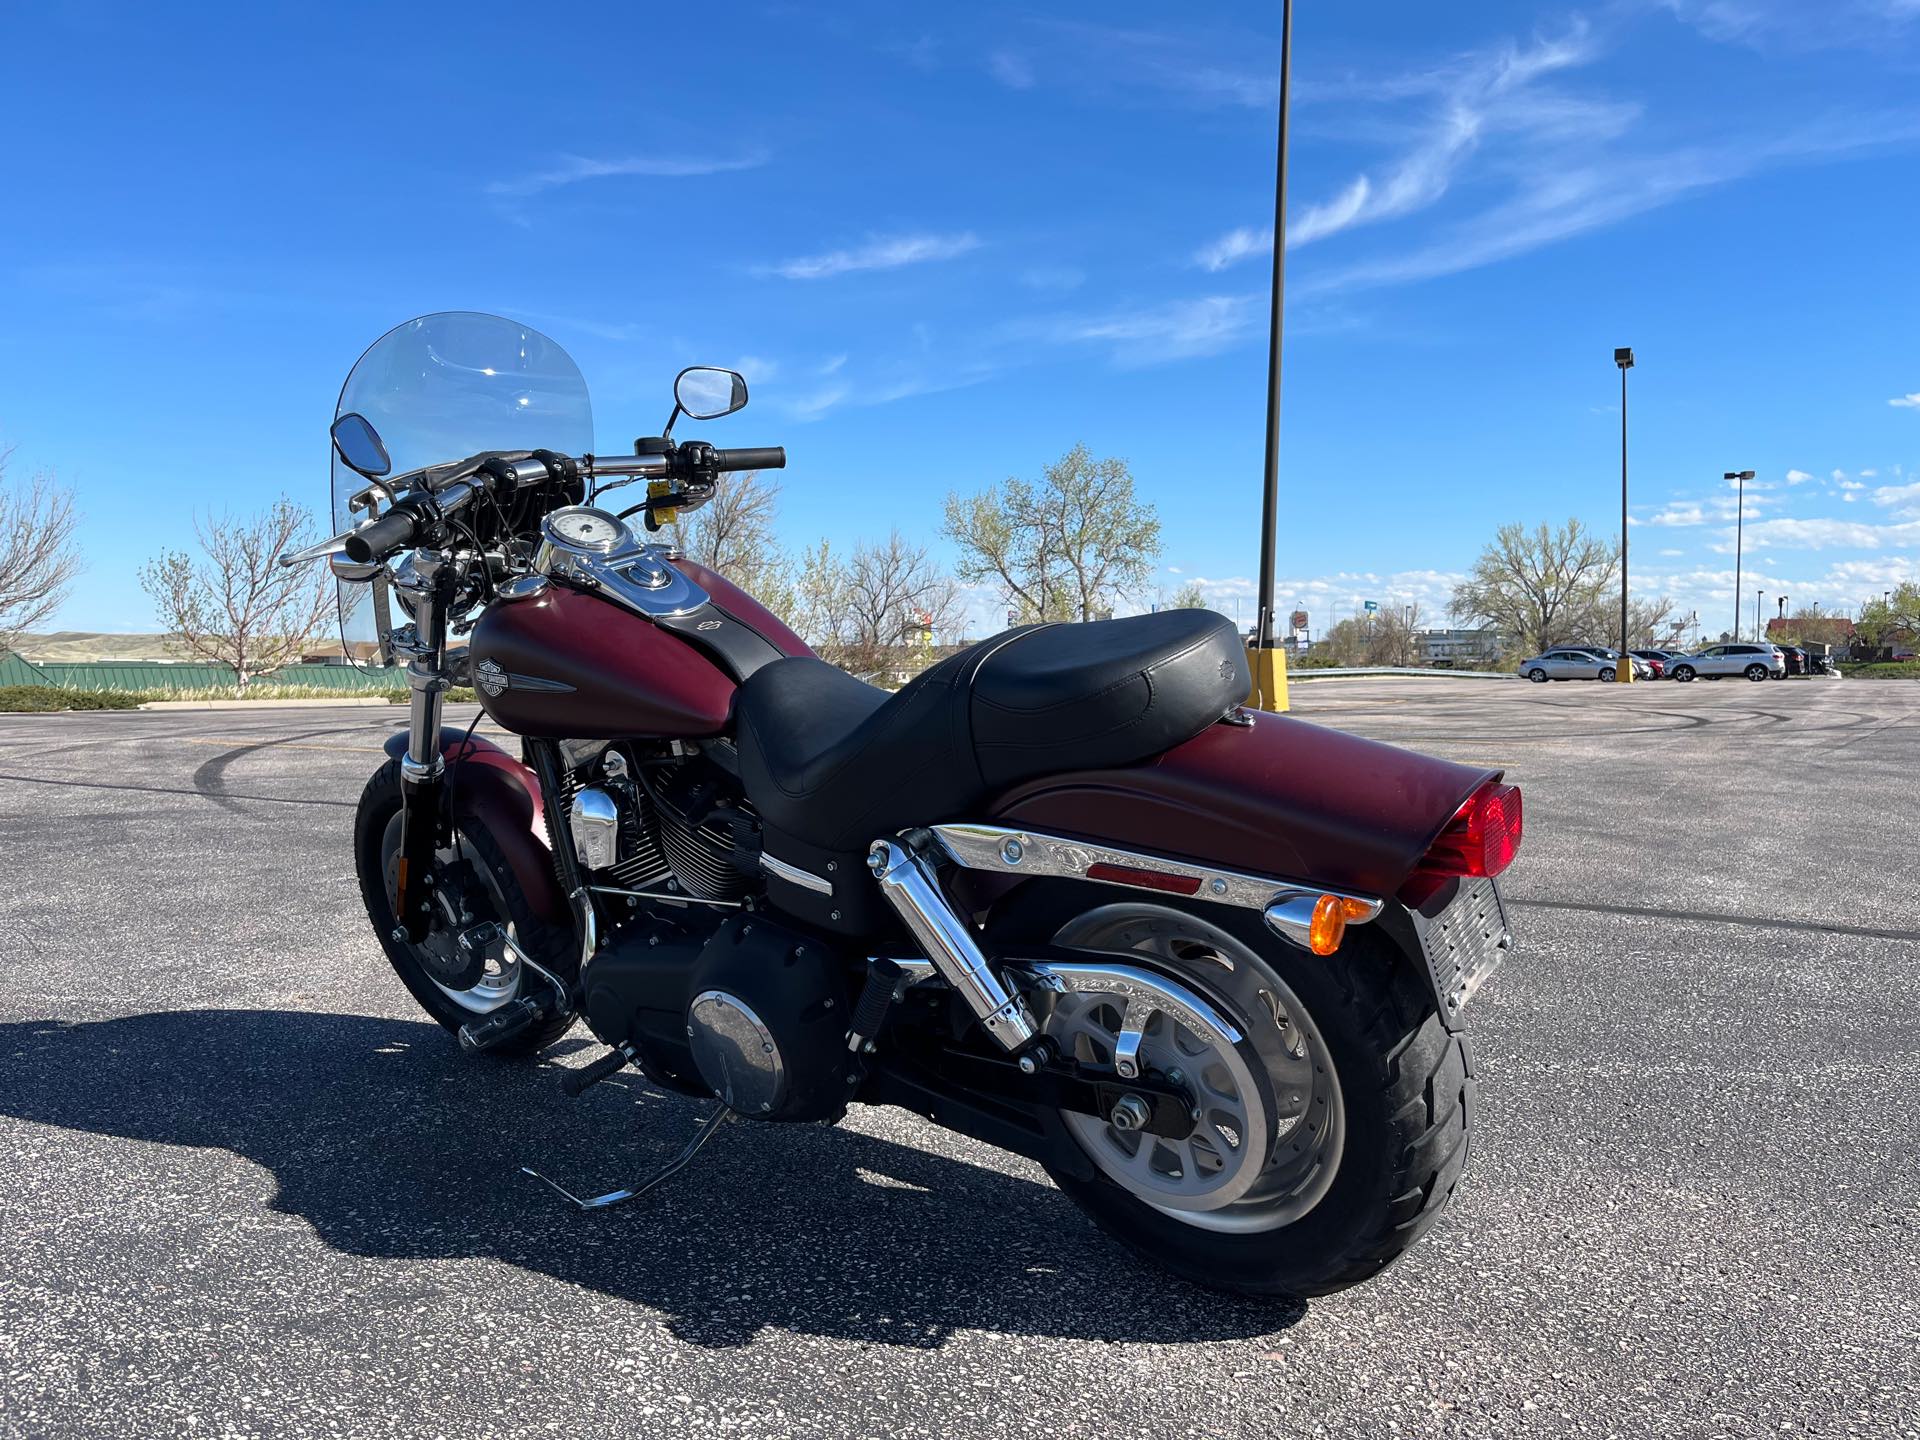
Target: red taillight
x,y
1483,836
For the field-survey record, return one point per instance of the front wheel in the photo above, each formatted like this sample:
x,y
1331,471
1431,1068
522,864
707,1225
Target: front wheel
x,y
1330,1138
1683,673
473,884
1606,674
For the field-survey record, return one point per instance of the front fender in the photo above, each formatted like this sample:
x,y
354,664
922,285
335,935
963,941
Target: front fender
x,y
493,788
1281,797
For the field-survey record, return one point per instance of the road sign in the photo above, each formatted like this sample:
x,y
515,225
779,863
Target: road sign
x,y
1372,605
1299,619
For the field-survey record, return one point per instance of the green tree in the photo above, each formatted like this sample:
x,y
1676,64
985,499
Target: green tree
x,y
1188,597
1065,548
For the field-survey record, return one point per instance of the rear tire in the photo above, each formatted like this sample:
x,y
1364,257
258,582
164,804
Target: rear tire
x,y
1397,1106
1537,675
1756,673
375,839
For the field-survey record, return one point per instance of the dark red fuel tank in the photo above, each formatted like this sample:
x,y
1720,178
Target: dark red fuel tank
x,y
576,667
744,608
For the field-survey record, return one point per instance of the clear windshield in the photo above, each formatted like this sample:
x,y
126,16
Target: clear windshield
x,y
444,387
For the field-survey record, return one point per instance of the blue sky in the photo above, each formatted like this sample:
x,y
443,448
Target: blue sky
x,y
948,243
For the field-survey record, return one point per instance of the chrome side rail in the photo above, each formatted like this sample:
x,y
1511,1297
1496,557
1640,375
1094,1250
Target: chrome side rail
x,y
911,889
1286,904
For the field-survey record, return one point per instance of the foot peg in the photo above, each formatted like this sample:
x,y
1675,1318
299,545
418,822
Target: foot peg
x,y
510,1020
577,1082
665,1172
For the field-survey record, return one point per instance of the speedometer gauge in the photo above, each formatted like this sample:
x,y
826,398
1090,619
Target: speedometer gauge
x,y
580,527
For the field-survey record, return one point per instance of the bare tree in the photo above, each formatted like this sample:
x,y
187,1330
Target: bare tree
x,y
1540,587
39,555
236,605
733,533
1065,549
883,605
1385,637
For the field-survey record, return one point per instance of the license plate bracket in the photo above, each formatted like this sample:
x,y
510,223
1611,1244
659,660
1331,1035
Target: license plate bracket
x,y
1463,943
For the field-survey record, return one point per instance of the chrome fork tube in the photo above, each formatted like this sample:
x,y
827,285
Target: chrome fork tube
x,y
912,890
420,589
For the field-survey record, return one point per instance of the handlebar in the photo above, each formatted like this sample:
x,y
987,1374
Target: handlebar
x,y
765,457
438,491
379,538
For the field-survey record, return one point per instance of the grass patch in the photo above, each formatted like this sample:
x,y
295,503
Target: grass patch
x,y
35,698
1883,670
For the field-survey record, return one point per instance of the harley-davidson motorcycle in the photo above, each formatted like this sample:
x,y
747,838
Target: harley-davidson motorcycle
x,y
1060,892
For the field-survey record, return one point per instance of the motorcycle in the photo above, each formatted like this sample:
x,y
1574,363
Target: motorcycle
x,y
1060,892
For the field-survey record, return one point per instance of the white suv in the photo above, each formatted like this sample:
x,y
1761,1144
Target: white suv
x,y
1756,662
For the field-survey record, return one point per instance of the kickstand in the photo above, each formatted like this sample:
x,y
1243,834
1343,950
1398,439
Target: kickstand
x,y
665,1172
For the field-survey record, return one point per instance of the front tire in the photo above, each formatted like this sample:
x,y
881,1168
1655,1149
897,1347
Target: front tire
x,y
1380,1095
490,894
1683,673
1606,674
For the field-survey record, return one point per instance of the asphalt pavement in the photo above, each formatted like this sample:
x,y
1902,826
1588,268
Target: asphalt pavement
x,y
247,1189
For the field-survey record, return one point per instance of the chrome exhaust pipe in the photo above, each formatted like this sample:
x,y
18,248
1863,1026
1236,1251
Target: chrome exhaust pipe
x,y
912,890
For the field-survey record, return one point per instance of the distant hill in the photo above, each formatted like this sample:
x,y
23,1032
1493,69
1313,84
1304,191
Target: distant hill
x,y
73,645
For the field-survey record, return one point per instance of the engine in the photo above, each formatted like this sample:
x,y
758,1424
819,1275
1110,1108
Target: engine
x,y
724,1002
740,1007
673,825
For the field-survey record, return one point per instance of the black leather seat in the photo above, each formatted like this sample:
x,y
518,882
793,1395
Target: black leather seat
x,y
833,762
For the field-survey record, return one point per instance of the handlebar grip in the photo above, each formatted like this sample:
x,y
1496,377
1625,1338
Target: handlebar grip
x,y
380,538
765,457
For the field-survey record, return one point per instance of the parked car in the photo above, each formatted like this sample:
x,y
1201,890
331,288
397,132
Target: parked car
x,y
1567,662
1756,662
1641,670
1657,661
1796,659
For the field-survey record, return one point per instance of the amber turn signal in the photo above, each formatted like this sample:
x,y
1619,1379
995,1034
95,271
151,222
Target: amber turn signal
x,y
1330,916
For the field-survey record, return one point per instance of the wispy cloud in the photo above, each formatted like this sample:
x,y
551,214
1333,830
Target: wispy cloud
x,y
1011,69
887,252
1790,533
572,169
1798,477
1794,25
1906,402
1492,93
1147,335
1524,161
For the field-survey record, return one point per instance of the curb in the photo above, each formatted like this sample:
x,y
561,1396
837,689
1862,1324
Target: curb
x,y
253,704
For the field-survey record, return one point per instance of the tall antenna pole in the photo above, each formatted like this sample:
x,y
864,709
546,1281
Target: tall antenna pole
x,y
1263,638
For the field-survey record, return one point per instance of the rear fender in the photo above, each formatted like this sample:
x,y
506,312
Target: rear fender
x,y
1280,797
493,788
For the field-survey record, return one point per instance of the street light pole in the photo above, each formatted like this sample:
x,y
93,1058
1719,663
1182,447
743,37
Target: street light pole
x,y
1269,666
1739,537
1623,672
1758,596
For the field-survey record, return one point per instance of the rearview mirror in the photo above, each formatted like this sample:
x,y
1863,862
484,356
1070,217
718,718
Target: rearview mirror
x,y
359,445
704,393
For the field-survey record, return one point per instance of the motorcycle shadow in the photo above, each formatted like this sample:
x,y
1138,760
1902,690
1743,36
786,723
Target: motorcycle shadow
x,y
391,1144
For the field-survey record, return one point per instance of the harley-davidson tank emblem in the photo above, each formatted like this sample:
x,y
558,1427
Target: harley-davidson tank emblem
x,y
490,677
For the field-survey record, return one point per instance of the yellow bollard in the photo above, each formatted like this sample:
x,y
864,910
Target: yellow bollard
x,y
1623,671
1269,679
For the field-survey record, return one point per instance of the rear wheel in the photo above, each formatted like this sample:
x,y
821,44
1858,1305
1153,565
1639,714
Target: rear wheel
x,y
1537,675
1756,672
1330,1138
473,884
